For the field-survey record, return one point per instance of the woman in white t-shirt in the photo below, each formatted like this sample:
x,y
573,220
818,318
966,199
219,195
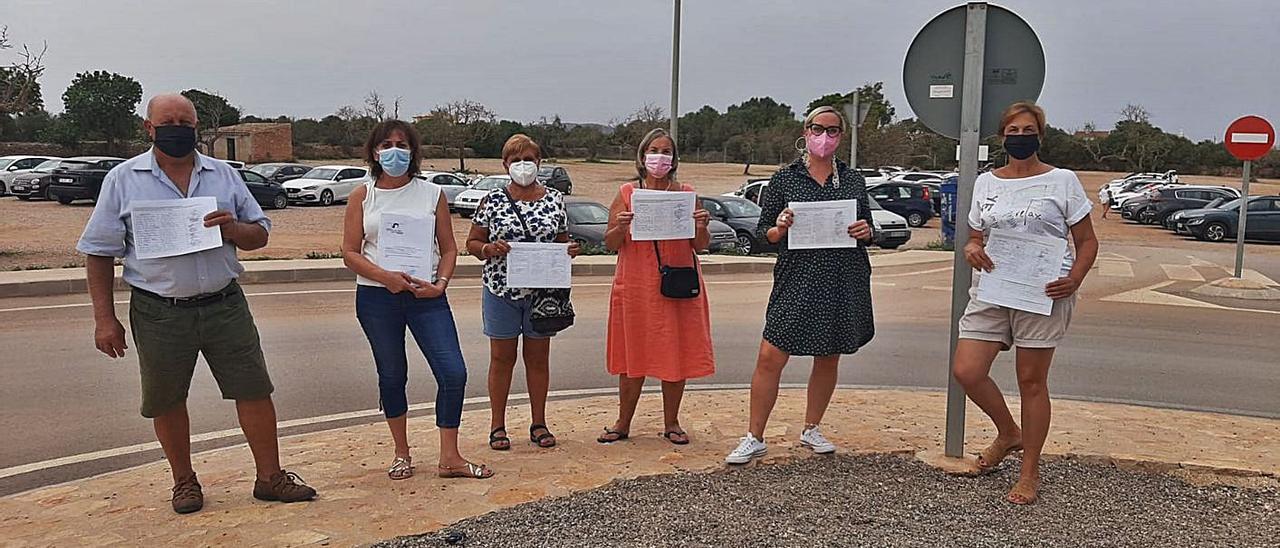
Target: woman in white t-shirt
x,y
1030,197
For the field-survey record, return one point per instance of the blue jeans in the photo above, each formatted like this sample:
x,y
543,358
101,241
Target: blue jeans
x,y
384,316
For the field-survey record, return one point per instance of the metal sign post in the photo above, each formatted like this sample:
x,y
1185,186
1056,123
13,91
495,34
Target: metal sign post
x,y
1244,209
1248,138
857,113
959,92
675,72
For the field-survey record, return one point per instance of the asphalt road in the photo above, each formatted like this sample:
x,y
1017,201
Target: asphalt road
x,y
61,398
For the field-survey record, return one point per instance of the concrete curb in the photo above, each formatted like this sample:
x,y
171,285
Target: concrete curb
x,y
71,281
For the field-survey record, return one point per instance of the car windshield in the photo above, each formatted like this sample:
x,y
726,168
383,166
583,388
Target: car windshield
x,y
321,173
490,183
545,171
265,170
48,165
73,164
741,208
4,162
1232,205
588,214
873,204
1216,203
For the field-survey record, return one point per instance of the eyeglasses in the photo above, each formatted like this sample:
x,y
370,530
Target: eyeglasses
x,y
819,129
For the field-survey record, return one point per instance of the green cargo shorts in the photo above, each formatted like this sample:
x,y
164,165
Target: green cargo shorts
x,y
169,338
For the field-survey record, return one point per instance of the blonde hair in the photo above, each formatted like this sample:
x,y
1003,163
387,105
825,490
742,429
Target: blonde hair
x,y
1023,107
649,138
823,110
519,144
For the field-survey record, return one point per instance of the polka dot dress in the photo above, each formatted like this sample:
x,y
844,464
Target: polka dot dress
x,y
821,299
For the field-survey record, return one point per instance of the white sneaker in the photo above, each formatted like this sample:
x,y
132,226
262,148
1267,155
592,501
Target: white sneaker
x,y
813,439
748,448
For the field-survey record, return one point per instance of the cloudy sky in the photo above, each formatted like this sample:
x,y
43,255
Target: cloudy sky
x,y
1194,64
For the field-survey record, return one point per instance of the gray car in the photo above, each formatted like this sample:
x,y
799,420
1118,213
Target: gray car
x,y
13,166
450,184
588,220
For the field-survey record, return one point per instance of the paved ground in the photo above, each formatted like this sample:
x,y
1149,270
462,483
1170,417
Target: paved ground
x,y
879,500
358,504
1174,355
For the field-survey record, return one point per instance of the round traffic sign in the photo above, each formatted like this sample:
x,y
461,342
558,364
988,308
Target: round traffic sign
x,y
933,74
1250,138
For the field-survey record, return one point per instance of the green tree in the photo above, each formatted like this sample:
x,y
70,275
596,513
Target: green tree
x,y
214,112
19,79
102,104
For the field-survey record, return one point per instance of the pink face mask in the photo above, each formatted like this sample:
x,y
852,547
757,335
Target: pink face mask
x,y
821,145
659,165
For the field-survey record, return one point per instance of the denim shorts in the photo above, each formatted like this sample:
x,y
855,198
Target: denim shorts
x,y
507,318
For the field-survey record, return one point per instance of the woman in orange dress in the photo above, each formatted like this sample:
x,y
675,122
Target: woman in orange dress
x,y
651,334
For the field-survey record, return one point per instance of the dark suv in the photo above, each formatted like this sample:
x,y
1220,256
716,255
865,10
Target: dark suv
x,y
555,177
80,178
913,201
1159,204
280,172
743,216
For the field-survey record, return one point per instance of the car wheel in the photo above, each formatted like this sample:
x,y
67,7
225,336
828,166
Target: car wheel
x,y
1215,232
746,243
1147,217
4,191
281,201
49,195
24,198
326,198
64,200
915,219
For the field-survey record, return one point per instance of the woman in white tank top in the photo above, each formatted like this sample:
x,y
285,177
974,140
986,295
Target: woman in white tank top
x,y
398,239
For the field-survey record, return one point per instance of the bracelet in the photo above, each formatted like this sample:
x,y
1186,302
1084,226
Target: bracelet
x,y
442,279
484,254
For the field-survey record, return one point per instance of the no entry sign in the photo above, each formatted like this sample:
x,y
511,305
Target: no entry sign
x,y
1250,138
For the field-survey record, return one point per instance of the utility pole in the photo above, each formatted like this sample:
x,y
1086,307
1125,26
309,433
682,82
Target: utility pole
x,y
675,72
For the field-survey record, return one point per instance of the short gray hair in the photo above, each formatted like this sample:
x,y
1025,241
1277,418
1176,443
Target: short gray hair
x,y
649,138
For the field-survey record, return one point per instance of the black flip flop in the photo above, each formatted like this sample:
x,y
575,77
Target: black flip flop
x,y
670,435
538,439
611,432
495,438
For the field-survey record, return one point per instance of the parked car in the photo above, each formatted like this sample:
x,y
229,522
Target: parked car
x,y
469,200
78,178
743,216
451,185
325,185
912,201
269,194
34,182
1115,185
1134,189
588,220
1159,204
234,163
280,171
1171,222
935,193
872,176
889,230
915,177
555,177
13,166
750,189
1221,223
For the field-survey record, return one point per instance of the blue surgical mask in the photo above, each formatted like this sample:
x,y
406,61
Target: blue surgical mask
x,y
394,161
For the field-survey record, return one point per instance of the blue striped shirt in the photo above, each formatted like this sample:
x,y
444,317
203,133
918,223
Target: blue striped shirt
x,y
109,232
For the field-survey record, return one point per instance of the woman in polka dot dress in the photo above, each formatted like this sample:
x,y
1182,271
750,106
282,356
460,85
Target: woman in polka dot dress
x,y
821,300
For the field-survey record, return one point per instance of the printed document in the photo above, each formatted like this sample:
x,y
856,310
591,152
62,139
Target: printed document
x,y
168,228
408,244
539,265
819,225
1024,265
662,215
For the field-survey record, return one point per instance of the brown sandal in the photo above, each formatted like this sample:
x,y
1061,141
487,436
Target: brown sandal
x,y
1022,496
994,454
468,471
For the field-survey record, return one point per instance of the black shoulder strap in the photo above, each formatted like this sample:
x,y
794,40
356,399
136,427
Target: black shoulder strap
x,y
528,234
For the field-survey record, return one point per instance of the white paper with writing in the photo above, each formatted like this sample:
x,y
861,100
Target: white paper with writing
x,y
168,228
820,225
662,215
1024,264
539,265
407,244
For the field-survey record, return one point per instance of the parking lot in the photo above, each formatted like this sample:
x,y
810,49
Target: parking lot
x,y
40,234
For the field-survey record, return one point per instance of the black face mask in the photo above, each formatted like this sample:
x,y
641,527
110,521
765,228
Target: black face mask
x,y
1021,146
176,141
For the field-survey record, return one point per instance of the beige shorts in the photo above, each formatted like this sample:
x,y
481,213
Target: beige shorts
x,y
1009,327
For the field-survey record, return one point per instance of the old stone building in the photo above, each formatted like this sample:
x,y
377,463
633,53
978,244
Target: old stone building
x,y
253,143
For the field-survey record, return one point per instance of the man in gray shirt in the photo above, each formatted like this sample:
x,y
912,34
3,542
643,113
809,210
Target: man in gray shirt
x,y
186,305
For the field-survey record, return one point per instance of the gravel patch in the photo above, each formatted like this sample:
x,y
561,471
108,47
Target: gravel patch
x,y
881,500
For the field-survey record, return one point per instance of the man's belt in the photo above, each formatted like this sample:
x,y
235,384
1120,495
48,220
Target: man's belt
x,y
193,301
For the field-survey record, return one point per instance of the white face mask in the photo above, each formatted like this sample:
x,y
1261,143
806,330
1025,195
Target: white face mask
x,y
523,173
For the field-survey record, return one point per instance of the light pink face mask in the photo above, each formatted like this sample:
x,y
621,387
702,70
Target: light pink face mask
x,y
821,145
659,165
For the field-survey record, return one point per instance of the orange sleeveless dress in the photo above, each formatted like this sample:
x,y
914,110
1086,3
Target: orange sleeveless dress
x,y
651,335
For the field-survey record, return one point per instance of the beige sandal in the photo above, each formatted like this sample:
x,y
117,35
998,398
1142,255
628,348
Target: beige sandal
x,y
1022,496
468,470
401,468
994,454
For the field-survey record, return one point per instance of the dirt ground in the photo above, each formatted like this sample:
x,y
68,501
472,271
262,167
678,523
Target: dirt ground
x,y
40,234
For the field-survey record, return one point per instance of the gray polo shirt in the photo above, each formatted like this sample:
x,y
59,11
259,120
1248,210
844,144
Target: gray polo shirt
x,y
109,232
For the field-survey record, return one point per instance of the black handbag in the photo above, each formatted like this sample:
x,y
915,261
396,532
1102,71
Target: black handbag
x,y
552,310
678,282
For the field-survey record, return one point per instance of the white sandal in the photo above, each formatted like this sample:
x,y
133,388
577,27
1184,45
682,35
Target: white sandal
x,y
401,468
